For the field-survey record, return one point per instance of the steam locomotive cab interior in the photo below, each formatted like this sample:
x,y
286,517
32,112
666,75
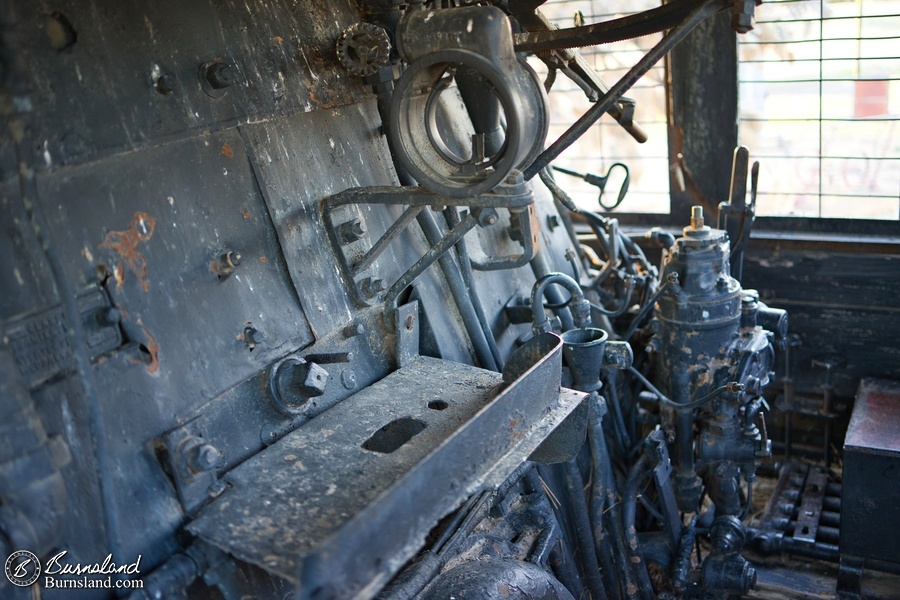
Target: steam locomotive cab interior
x,y
395,300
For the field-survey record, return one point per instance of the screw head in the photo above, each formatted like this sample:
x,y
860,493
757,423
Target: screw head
x,y
348,378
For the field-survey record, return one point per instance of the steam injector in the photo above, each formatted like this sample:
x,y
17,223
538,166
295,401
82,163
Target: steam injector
x,y
714,343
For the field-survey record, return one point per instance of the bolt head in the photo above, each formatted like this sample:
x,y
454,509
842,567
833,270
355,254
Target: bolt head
x,y
165,84
487,217
313,380
354,330
219,75
252,336
351,231
207,457
199,456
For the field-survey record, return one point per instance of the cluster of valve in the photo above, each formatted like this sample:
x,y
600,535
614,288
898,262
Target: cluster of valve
x,y
713,347
714,341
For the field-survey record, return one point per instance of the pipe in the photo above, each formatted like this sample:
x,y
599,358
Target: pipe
x,y
732,387
561,560
459,293
581,308
629,514
466,269
563,565
583,532
610,516
685,550
478,337
599,463
671,279
626,569
540,266
621,432
174,576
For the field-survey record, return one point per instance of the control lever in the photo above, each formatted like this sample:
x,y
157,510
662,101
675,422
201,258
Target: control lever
x,y
600,182
573,64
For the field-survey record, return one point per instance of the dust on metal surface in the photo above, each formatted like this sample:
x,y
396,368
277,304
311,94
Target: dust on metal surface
x,y
319,500
293,495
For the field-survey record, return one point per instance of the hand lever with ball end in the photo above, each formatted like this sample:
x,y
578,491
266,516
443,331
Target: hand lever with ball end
x,y
600,182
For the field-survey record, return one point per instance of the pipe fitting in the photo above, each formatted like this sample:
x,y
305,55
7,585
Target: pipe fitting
x,y
580,307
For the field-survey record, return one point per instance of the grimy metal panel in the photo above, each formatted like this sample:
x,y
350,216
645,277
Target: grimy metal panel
x,y
144,225
869,507
95,83
427,435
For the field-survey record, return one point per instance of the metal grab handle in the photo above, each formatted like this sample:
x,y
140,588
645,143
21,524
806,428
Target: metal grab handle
x,y
600,182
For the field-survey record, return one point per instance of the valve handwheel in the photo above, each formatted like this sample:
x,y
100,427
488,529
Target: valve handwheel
x,y
364,48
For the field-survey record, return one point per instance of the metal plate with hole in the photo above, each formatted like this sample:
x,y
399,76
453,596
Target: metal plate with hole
x,y
329,504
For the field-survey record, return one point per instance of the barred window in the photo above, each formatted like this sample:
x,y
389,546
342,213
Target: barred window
x,y
820,105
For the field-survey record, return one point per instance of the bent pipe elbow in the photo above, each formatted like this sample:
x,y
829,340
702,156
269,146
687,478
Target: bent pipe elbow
x,y
540,322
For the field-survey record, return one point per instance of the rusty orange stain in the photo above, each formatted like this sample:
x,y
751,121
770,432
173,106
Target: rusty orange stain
x,y
153,366
227,152
278,39
125,243
262,259
119,273
245,213
319,103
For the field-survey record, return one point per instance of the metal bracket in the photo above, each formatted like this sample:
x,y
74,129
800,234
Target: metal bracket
x,y
811,506
662,477
194,489
364,290
406,325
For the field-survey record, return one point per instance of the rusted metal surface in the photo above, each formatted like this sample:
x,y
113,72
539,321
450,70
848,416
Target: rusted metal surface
x,y
875,422
319,501
125,244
